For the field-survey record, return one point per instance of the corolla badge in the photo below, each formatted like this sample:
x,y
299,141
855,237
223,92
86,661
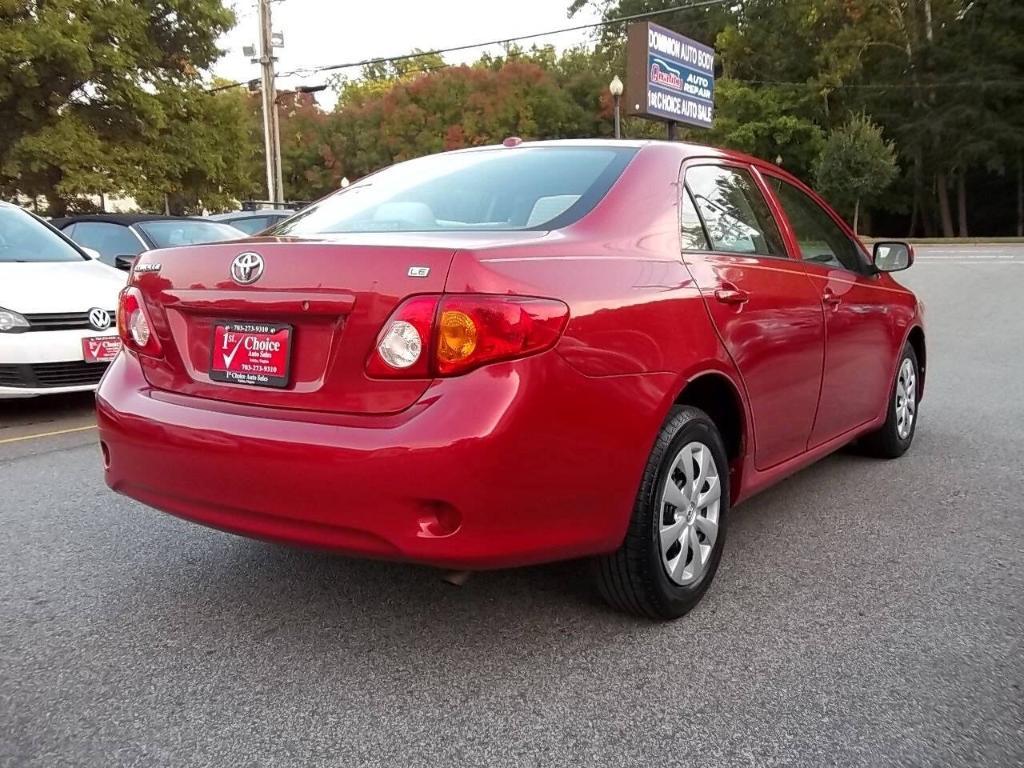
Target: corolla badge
x,y
247,268
99,319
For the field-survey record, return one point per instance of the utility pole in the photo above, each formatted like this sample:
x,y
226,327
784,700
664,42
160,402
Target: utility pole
x,y
271,126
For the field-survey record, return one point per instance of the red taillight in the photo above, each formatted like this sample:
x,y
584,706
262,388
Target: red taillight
x,y
452,334
133,323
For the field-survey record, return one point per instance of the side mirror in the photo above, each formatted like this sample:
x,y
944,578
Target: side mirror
x,y
92,253
124,262
893,256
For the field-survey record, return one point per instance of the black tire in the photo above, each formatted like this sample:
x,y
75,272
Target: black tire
x,y
633,578
886,443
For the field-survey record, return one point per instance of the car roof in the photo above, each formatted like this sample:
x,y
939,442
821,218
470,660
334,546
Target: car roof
x,y
125,219
685,148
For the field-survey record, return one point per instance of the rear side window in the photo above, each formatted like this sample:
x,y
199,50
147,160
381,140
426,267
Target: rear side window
x,y
820,238
735,214
498,189
111,240
170,233
693,237
251,225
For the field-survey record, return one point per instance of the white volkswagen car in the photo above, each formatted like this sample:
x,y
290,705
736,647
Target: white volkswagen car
x,y
57,302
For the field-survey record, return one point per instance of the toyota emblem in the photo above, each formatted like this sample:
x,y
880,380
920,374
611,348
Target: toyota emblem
x,y
247,268
99,319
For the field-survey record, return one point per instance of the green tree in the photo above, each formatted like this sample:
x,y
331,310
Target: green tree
x,y
85,85
770,123
943,78
856,165
206,152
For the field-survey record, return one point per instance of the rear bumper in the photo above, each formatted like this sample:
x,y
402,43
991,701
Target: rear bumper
x,y
513,464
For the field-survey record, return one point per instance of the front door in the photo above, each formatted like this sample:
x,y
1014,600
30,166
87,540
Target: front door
x,y
766,311
858,364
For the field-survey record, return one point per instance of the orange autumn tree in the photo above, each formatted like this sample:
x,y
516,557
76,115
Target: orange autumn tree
x,y
450,107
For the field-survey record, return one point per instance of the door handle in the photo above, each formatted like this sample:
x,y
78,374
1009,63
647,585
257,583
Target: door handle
x,y
732,295
828,297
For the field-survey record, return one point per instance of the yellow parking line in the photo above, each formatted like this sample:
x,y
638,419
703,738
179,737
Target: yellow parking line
x,y
46,434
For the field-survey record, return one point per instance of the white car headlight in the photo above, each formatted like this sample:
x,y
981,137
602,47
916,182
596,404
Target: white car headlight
x,y
11,321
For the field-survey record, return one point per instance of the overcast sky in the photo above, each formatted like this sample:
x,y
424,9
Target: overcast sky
x,y
335,31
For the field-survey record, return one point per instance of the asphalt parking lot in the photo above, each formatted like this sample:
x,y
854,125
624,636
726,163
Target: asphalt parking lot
x,y
866,613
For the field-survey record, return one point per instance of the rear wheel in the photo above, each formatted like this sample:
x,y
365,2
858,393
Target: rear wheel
x,y
677,531
895,436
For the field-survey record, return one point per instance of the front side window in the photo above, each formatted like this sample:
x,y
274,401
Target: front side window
x,y
735,214
110,240
820,238
25,238
517,188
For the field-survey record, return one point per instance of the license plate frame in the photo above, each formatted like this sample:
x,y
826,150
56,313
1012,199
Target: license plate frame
x,y
100,349
270,369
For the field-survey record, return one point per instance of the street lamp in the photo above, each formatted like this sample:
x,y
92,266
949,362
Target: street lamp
x,y
615,87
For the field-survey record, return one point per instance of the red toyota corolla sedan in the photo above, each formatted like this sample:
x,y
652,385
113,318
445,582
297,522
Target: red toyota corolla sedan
x,y
516,354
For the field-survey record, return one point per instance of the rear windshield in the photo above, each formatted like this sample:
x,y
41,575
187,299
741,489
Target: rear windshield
x,y
24,238
499,189
173,232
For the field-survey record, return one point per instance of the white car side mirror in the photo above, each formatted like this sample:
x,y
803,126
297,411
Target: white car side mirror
x,y
92,253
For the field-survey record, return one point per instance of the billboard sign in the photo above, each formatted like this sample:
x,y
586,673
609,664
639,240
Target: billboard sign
x,y
669,77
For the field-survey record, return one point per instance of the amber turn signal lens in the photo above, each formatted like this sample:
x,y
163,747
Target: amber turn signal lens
x,y
457,336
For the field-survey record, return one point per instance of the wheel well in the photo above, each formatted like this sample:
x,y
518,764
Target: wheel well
x,y
916,340
715,395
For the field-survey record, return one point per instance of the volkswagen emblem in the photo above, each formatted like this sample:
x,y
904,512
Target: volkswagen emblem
x,y
99,319
247,268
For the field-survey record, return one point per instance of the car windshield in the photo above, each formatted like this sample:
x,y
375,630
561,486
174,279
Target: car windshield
x,y
173,232
499,189
24,238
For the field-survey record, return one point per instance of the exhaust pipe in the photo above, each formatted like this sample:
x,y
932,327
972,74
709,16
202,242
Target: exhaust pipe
x,y
456,578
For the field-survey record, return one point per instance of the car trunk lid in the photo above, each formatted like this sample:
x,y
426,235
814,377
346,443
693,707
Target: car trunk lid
x,y
335,295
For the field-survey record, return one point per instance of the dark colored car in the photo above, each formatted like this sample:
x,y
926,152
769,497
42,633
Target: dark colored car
x,y
120,237
252,222
510,355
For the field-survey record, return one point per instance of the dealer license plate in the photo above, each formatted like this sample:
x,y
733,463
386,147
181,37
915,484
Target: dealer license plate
x,y
100,349
251,353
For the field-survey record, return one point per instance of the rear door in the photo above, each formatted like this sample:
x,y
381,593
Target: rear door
x,y
767,312
858,315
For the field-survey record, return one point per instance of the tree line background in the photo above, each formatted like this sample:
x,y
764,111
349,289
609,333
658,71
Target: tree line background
x,y
909,114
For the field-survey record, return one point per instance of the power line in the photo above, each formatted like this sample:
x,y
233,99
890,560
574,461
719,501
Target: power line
x,y
505,40
845,86
306,71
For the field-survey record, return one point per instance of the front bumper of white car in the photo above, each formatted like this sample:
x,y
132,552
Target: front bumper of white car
x,y
44,362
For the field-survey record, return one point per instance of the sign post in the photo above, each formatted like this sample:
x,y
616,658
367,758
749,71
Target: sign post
x,y
669,77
